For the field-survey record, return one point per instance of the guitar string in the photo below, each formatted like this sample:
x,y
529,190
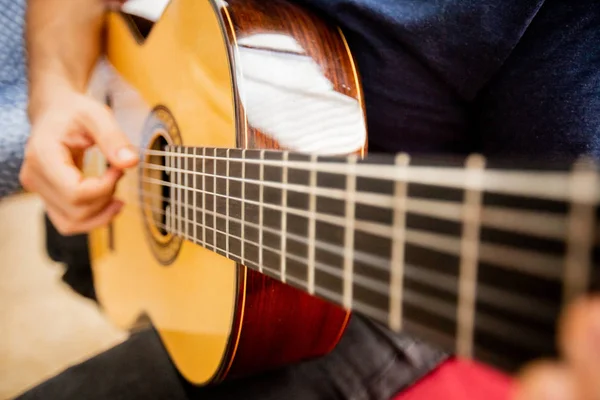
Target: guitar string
x,y
366,226
543,224
385,173
373,261
435,306
536,263
541,184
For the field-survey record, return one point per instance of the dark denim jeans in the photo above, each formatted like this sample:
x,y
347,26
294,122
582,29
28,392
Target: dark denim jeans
x,y
501,77
365,365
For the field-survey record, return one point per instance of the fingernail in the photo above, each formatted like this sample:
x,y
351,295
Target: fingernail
x,y
126,155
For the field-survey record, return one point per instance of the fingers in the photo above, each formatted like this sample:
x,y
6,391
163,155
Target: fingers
x,y
91,189
547,381
577,376
68,226
53,160
579,341
78,210
104,130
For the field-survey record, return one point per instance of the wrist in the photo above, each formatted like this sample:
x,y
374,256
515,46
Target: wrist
x,y
46,94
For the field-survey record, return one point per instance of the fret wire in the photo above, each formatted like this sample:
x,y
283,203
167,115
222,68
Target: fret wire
x,y
260,208
204,196
179,192
186,184
374,261
243,207
542,224
398,247
173,192
312,206
469,257
349,233
170,211
529,261
284,180
541,184
580,231
142,199
195,201
227,206
215,200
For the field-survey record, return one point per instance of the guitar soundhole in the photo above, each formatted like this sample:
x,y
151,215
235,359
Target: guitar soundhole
x,y
155,182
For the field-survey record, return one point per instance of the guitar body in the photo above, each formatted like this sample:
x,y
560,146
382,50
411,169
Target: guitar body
x,y
241,74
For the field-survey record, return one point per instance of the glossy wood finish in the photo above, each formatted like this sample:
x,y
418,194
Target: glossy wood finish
x,y
216,67
282,325
279,323
284,60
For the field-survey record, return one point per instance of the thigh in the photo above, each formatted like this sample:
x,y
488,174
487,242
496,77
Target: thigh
x,y
366,364
369,363
138,368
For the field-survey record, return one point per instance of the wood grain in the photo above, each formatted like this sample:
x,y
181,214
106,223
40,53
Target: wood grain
x,y
280,324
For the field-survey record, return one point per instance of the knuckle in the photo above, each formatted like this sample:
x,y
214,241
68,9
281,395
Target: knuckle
x,y
25,179
81,214
74,198
78,196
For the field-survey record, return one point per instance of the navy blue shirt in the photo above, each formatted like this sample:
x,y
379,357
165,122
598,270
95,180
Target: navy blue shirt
x,y
502,77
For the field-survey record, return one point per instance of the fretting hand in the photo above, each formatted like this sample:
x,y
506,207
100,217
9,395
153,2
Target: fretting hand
x,y
577,375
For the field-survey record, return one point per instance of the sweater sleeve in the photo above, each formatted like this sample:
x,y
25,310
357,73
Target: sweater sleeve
x,y
14,125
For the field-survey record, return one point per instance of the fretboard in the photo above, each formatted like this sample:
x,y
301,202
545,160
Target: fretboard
x,y
477,259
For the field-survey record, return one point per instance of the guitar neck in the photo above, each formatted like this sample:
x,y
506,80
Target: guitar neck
x,y
466,255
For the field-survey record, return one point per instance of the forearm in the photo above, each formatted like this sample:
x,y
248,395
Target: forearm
x,y
64,40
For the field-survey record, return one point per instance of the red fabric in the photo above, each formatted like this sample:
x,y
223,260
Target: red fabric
x,y
460,380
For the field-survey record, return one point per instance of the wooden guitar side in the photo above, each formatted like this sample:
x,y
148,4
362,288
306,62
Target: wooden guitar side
x,y
280,324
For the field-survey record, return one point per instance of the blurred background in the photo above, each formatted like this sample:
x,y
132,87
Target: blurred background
x,y
44,326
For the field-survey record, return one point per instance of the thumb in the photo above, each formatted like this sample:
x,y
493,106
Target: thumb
x,y
102,126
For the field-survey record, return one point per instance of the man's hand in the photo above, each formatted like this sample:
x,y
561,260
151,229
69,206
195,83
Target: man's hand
x,y
53,158
64,41
577,375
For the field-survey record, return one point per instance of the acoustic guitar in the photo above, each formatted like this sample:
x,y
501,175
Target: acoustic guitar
x,y
256,224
